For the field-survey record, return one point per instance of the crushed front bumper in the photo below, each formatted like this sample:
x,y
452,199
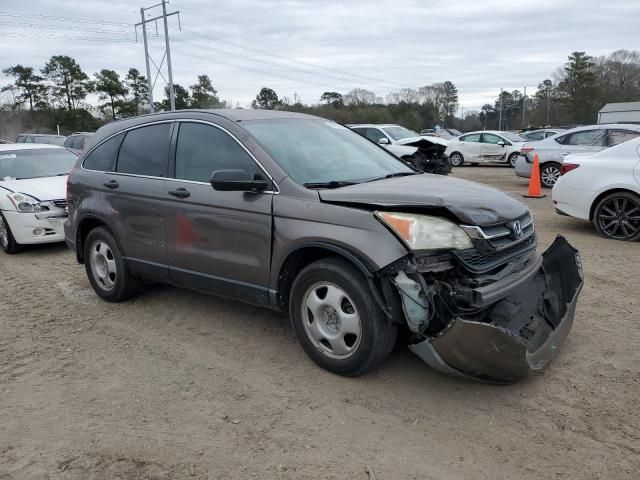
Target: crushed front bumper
x,y
521,331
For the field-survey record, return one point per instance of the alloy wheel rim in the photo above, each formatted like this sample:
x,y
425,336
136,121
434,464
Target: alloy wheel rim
x,y
455,160
331,321
550,175
4,234
513,159
619,218
103,265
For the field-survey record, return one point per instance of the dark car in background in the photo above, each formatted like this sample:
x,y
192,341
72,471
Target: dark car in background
x,y
303,215
41,138
77,141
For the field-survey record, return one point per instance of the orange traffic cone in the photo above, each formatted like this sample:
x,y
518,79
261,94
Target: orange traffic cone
x,y
534,181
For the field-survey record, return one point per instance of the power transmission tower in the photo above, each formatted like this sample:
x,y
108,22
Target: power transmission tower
x,y
166,55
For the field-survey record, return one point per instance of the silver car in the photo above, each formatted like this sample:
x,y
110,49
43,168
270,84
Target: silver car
x,y
552,150
541,134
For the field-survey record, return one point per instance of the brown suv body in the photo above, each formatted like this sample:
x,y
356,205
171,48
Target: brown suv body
x,y
258,239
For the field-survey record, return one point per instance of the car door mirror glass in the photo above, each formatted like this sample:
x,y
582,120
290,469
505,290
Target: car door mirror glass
x,y
501,143
237,181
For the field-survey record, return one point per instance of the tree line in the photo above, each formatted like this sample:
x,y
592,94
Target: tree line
x,y
57,93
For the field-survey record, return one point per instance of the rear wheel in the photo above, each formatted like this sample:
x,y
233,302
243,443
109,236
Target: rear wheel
x,y
337,320
7,241
456,159
617,216
106,268
513,158
549,174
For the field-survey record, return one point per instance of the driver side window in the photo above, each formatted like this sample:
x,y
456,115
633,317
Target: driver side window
x,y
202,149
375,135
474,137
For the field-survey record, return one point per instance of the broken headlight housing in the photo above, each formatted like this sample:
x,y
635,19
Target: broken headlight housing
x,y
26,204
424,232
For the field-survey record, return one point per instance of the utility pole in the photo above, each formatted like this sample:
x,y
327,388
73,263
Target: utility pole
x,y
548,106
167,52
524,106
146,59
172,95
500,117
462,117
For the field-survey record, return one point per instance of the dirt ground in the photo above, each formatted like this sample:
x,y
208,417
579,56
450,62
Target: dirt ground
x,y
175,384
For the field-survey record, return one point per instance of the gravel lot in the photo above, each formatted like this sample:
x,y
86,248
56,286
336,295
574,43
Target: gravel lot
x,y
175,384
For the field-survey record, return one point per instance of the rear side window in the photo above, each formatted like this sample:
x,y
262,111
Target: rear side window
x,y
203,149
586,137
21,139
535,135
68,143
616,137
475,137
145,151
103,157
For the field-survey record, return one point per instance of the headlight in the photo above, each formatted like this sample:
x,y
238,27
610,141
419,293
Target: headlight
x,y
423,232
26,204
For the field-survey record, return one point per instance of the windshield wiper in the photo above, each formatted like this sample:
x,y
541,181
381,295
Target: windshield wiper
x,y
330,184
392,175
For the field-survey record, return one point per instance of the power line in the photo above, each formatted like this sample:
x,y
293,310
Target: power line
x,y
61,19
55,27
65,37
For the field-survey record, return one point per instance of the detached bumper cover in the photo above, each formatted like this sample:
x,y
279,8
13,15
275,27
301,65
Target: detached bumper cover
x,y
520,332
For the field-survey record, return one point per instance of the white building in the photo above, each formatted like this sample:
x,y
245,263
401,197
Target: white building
x,y
626,112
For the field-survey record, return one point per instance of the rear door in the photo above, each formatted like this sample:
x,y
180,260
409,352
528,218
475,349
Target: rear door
x,y
133,196
470,146
490,151
584,141
217,241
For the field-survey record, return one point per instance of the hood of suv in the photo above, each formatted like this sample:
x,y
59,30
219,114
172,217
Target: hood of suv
x,y
470,202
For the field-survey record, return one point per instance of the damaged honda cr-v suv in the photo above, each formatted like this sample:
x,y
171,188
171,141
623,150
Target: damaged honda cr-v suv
x,y
303,215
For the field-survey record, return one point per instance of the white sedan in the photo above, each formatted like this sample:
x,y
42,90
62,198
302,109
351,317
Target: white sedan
x,y
603,188
33,180
485,146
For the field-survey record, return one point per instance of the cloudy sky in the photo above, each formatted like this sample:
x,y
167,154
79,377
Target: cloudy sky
x,y
306,47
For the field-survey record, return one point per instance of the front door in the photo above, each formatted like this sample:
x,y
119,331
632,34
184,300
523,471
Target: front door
x,y
217,241
490,150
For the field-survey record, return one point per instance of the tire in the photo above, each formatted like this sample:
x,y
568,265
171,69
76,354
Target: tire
x,y
349,334
617,216
7,241
106,268
549,174
456,159
513,158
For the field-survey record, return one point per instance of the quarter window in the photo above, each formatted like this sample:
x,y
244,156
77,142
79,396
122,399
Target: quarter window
x,y
535,136
145,151
474,137
203,149
616,137
103,157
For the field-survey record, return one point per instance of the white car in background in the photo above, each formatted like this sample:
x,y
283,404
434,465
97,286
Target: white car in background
x,y
551,151
485,146
541,134
33,184
603,188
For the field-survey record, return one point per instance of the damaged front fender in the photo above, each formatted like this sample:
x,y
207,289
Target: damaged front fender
x,y
518,334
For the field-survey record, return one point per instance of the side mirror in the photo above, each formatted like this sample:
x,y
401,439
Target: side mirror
x,y
237,181
501,143
383,141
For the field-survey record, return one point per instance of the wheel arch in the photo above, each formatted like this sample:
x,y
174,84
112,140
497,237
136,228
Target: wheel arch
x,y
306,253
85,226
596,201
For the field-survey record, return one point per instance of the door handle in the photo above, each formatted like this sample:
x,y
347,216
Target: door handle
x,y
180,193
111,184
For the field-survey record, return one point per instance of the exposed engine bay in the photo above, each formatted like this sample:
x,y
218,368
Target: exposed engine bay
x,y
429,157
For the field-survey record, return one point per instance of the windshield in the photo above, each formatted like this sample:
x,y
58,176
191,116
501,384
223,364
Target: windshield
x,y
320,151
41,162
513,137
398,133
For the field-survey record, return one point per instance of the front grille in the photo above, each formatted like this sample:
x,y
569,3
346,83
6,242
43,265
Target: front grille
x,y
478,262
60,203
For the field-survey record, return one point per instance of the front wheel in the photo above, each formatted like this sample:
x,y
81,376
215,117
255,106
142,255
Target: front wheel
x,y
549,174
513,158
617,216
456,159
337,320
7,241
